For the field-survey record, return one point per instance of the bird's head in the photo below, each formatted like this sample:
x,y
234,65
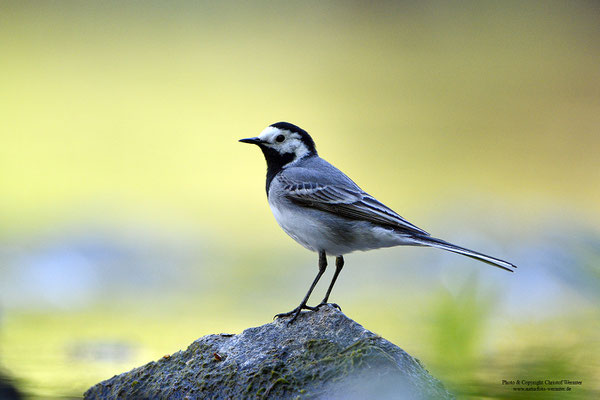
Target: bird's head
x,y
282,143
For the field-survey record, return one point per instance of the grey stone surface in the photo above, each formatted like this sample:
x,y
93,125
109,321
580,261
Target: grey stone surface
x,y
7,389
322,355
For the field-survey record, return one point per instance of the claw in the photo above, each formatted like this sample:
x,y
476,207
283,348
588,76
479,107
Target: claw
x,y
295,312
328,304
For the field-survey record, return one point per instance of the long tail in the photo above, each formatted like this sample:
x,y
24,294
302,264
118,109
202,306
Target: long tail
x,y
441,244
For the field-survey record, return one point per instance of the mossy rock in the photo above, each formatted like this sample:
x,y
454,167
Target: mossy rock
x,y
322,355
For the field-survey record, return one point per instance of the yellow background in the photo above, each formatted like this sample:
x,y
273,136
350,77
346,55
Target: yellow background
x,y
119,121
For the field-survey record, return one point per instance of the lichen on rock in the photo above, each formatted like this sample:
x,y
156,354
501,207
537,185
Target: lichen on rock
x,y
322,355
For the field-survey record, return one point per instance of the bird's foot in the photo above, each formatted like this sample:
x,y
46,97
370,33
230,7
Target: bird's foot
x,y
323,303
295,312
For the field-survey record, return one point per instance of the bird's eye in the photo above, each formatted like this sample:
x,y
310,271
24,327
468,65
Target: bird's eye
x,y
280,138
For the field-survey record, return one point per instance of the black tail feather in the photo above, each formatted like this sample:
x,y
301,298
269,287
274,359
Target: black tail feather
x,y
442,244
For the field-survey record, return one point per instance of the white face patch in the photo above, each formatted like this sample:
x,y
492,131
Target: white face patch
x,y
291,144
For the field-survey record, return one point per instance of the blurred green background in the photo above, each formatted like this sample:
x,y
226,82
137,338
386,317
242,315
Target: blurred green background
x,y
132,222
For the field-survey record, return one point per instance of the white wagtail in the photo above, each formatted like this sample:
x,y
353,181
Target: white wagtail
x,y
326,212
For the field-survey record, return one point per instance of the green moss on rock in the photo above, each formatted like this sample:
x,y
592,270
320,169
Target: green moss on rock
x,y
322,355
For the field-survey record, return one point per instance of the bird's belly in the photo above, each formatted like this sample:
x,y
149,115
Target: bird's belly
x,y
317,230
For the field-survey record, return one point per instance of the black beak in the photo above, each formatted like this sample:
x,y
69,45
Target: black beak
x,y
252,140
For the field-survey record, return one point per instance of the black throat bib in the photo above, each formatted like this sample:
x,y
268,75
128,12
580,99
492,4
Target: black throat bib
x,y
275,163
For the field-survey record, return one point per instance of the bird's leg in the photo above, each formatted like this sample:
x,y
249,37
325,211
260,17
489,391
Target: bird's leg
x,y
296,311
339,264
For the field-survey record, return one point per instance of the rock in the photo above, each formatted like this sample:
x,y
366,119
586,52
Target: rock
x,y
8,391
322,355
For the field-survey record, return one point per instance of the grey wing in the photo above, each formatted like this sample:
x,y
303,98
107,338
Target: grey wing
x,y
347,202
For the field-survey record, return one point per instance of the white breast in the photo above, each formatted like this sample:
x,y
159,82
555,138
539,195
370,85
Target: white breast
x,y
303,229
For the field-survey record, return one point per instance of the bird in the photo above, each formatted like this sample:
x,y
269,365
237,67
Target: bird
x,y
322,209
